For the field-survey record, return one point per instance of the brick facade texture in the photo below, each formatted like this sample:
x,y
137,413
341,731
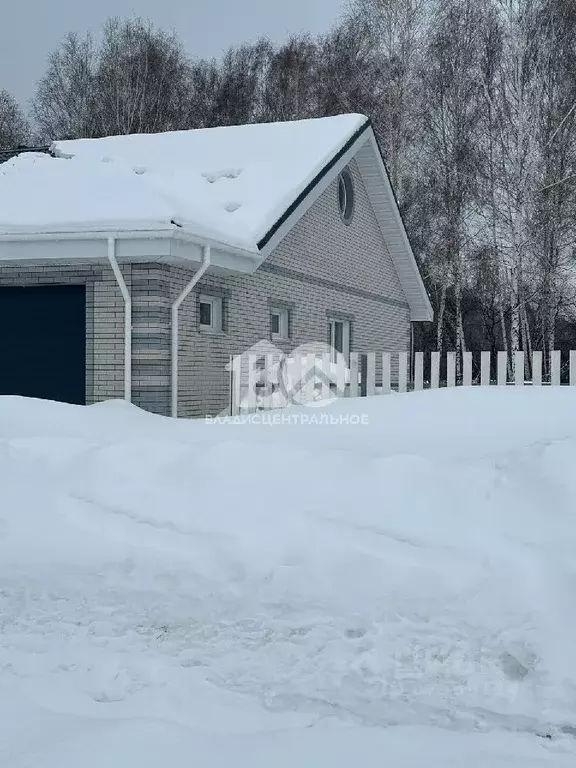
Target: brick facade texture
x,y
322,266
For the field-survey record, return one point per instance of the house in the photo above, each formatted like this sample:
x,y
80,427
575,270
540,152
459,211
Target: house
x,y
135,266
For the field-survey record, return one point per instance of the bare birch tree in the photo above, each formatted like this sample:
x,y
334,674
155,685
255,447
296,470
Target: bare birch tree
x,y
515,103
136,81
555,209
395,31
65,105
449,120
291,86
14,129
141,79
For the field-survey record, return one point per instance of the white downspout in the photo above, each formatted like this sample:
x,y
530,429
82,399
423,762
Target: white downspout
x,y
127,319
175,307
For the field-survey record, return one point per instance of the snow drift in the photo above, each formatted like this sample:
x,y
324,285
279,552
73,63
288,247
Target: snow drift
x,y
162,582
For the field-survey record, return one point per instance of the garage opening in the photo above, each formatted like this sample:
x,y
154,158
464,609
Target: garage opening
x,y
43,342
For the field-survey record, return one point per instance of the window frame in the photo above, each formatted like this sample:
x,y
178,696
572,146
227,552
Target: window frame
x,y
283,323
346,191
216,313
346,337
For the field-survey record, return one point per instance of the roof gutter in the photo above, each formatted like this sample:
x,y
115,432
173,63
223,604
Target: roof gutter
x,y
171,233
127,318
15,237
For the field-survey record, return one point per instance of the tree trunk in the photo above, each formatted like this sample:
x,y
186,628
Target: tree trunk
x,y
460,341
526,342
503,326
440,322
551,329
515,313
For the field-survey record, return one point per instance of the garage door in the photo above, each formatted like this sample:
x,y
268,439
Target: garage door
x,y
43,342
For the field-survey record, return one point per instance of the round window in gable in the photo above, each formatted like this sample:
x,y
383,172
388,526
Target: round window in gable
x,y
346,196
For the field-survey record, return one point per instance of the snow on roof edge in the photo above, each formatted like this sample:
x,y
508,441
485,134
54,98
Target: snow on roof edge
x,y
328,137
316,178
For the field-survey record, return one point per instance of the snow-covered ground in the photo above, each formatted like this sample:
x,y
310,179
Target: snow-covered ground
x,y
401,592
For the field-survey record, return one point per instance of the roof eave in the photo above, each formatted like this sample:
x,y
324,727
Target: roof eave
x,y
80,233
420,307
422,311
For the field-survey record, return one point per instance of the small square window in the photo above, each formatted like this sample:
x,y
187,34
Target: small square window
x,y
210,313
279,323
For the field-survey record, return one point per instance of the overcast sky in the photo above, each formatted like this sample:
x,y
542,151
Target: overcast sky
x,y
30,29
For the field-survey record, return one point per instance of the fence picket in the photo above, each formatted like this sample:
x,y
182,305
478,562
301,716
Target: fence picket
x,y
308,379
502,369
353,374
340,376
253,375
485,369
451,369
536,369
386,373
519,369
236,388
467,369
555,368
371,373
419,371
435,370
326,376
402,371
267,402
296,371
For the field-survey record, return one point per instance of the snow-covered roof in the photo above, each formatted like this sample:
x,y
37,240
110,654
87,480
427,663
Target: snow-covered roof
x,y
237,188
229,184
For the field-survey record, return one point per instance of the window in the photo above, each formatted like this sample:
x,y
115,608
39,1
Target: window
x,y
280,323
210,313
346,196
340,339
205,313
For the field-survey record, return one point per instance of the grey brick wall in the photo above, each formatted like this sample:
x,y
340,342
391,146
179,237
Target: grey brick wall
x,y
321,266
151,337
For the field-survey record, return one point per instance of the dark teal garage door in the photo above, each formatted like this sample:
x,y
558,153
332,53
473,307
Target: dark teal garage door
x,y
43,342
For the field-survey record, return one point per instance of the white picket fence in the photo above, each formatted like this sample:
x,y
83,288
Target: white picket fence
x,y
518,377
272,381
